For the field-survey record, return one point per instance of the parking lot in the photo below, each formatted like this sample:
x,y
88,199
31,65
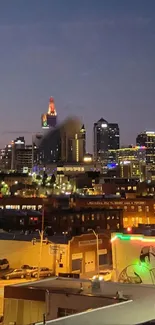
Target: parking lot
x,y
5,282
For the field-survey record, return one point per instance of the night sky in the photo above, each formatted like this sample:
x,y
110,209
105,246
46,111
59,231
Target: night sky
x,y
96,57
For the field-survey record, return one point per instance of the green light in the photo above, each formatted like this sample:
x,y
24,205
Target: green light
x,y
133,237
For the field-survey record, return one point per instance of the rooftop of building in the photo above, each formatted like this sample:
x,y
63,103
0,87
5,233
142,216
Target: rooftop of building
x,y
62,285
130,312
86,286
29,237
135,304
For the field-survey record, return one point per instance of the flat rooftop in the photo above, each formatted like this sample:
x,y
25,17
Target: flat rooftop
x,y
134,291
135,308
125,313
37,290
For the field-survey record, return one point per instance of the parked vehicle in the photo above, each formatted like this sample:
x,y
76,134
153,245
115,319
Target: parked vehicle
x,y
44,272
104,275
4,264
26,267
17,273
31,270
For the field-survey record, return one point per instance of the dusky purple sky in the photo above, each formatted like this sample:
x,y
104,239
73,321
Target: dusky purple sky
x,y
96,57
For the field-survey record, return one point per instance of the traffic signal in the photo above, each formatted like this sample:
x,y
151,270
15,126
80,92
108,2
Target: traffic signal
x,y
129,229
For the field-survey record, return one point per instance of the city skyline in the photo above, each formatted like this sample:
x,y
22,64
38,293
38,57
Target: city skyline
x,y
95,58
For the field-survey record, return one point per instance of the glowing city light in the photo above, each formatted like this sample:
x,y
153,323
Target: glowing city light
x,y
133,237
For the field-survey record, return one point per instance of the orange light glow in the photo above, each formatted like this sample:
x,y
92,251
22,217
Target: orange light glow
x,y
51,107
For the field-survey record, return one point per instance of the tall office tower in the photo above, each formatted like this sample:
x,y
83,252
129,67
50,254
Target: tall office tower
x,y
101,137
114,136
65,143
17,144
106,136
6,158
37,154
147,139
77,146
49,120
23,159
82,142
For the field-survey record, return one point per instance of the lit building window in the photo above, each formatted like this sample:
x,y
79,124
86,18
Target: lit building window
x,y
147,208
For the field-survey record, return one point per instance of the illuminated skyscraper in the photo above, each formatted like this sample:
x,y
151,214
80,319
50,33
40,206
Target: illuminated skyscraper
x,y
49,120
65,143
147,139
106,136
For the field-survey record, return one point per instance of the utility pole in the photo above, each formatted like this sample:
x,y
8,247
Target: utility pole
x,y
97,249
97,244
41,240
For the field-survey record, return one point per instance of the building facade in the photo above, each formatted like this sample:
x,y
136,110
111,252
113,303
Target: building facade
x,y
147,139
133,258
55,298
65,143
49,120
106,137
114,136
130,162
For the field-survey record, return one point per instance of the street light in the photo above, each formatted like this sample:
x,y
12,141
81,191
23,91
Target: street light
x,y
41,233
97,246
41,241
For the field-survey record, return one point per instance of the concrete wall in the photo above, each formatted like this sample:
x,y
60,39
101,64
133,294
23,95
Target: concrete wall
x,y
20,252
134,259
77,303
23,312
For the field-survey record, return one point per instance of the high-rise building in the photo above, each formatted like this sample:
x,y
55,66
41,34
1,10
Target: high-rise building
x,y
49,119
130,161
23,159
147,139
16,156
77,146
114,136
37,153
106,136
6,158
65,143
101,135
127,154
